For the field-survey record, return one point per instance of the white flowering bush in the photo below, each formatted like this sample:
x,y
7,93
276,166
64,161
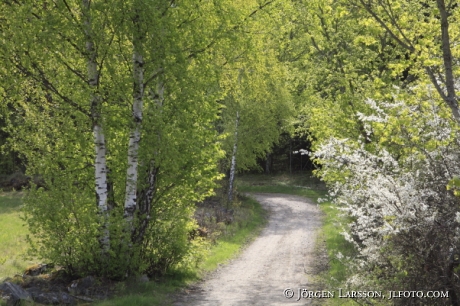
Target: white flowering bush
x,y
404,221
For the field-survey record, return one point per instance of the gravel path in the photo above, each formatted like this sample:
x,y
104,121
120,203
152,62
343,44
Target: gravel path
x,y
281,257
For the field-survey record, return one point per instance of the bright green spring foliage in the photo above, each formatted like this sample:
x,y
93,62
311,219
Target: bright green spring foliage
x,y
378,80
342,55
371,53
185,45
256,82
338,59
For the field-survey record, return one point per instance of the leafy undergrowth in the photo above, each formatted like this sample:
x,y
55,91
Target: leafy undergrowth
x,y
249,219
13,234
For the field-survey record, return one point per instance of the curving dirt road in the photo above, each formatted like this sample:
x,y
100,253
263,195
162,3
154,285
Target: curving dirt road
x,y
281,257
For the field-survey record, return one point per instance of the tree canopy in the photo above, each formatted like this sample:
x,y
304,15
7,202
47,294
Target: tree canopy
x,y
124,109
131,111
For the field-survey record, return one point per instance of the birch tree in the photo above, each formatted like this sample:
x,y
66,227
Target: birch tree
x,y
256,81
389,145
135,134
233,161
100,165
123,96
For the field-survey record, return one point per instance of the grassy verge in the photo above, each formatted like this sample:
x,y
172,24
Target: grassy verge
x,y
299,184
13,233
228,245
337,272
238,234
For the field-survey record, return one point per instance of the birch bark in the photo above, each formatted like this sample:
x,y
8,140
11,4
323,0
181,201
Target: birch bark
x,y
135,134
100,165
145,196
233,162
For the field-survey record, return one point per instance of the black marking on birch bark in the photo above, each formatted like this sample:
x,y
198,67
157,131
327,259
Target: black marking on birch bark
x,y
137,119
139,63
97,196
144,205
129,211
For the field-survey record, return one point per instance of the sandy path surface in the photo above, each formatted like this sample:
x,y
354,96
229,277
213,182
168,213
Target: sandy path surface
x,y
281,257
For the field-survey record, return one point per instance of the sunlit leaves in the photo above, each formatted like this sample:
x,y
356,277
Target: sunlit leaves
x,y
454,185
256,83
185,48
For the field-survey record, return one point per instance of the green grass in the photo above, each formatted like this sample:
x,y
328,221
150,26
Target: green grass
x,y
297,184
147,294
227,247
13,233
242,232
337,272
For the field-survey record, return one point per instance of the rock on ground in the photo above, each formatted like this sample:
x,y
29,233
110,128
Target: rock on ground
x,y
13,294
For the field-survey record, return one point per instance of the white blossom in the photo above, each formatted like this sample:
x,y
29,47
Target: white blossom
x,y
398,205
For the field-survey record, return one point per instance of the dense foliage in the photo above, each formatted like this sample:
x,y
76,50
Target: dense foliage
x,y
382,116
404,223
129,112
116,106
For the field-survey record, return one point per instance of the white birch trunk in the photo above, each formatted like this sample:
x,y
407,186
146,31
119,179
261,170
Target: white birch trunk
x,y
100,168
145,196
159,95
233,162
135,135
100,165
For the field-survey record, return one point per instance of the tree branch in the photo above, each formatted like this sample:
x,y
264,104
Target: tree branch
x,y
453,107
261,7
46,84
451,98
383,24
